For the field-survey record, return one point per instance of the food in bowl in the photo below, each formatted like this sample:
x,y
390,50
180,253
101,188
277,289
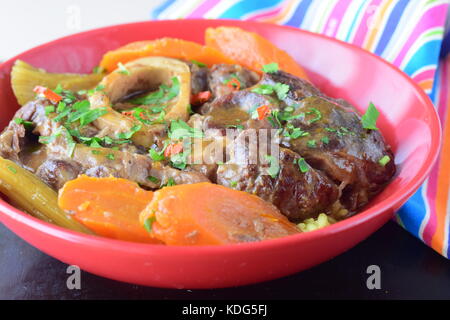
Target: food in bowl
x,y
171,142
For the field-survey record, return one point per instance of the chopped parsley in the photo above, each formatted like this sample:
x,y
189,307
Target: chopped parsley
x,y
325,140
95,152
198,63
153,179
26,124
155,155
128,135
12,169
274,167
98,70
122,69
110,156
384,160
311,143
369,119
233,184
148,223
280,89
49,109
270,68
170,183
317,113
180,130
164,94
302,165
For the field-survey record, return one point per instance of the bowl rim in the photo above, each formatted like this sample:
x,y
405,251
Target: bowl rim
x,y
392,200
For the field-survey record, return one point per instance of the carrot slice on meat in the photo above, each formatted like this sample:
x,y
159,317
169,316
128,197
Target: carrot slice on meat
x,y
165,47
210,214
251,50
108,206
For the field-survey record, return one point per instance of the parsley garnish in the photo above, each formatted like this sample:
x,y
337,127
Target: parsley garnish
x,y
302,165
280,89
274,168
110,156
270,68
180,130
12,169
325,140
98,70
233,184
122,69
369,119
384,160
311,143
26,124
148,223
153,179
198,63
170,183
315,112
155,155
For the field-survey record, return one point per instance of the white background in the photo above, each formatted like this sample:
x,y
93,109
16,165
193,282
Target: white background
x,y
27,23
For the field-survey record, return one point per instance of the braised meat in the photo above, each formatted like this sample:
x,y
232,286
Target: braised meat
x,y
298,195
338,145
322,158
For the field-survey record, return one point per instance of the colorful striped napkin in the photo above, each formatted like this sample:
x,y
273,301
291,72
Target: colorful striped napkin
x,y
407,33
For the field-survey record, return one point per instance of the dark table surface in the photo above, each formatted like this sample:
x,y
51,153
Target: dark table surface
x,y
409,270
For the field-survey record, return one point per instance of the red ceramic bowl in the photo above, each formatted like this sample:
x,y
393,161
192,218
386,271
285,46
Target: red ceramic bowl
x,y
408,122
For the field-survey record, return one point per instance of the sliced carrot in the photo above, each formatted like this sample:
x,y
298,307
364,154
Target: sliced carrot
x,y
210,214
108,206
165,47
251,50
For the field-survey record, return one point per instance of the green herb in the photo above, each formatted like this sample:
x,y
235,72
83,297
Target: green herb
x,y
26,124
270,68
148,223
49,109
294,133
311,143
302,165
96,152
325,140
180,130
179,160
163,94
128,135
170,183
98,70
12,169
233,184
369,119
317,113
384,160
263,89
92,115
330,129
153,179
198,63
279,88
123,69
155,155
274,168
110,156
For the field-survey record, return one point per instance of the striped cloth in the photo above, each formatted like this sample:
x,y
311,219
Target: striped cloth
x,y
407,33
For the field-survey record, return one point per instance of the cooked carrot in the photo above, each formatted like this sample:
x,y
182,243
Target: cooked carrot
x,y
108,206
210,214
165,47
251,50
